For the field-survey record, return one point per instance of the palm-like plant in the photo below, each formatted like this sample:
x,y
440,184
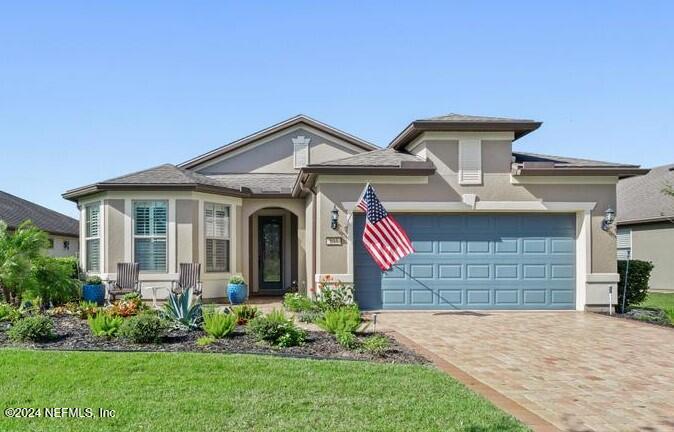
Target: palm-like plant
x,y
18,250
181,309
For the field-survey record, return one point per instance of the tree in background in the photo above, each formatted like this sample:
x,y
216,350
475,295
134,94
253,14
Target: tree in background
x,y
18,252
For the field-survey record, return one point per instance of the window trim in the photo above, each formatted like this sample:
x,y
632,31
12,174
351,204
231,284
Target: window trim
x,y
88,237
206,237
134,236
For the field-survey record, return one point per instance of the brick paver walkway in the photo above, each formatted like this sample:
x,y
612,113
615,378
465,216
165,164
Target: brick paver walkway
x,y
579,371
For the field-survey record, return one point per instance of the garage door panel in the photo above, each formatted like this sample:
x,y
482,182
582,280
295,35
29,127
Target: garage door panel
x,y
516,261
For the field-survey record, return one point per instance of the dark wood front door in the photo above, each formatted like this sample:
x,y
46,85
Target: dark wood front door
x,y
270,253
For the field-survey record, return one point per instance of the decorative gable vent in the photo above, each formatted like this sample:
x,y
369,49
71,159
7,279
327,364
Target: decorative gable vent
x,y
470,162
301,146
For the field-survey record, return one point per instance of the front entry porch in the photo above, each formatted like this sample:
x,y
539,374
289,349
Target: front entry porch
x,y
274,256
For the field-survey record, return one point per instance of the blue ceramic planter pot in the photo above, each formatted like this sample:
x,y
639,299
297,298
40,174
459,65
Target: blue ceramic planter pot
x,y
237,293
94,293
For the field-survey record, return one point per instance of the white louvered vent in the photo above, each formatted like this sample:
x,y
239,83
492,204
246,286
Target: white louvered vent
x,y
624,243
301,151
470,161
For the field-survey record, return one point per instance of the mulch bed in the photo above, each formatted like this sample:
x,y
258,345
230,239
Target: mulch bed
x,y
74,334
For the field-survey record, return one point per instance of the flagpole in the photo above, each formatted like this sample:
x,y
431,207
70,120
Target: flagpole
x,y
360,197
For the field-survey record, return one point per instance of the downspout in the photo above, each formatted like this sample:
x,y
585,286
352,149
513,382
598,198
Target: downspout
x,y
310,284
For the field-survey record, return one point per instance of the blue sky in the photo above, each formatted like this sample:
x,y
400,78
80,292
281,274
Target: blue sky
x,y
92,90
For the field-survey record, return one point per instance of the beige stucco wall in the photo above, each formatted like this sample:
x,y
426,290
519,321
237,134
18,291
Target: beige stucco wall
x,y
655,242
444,187
276,155
187,230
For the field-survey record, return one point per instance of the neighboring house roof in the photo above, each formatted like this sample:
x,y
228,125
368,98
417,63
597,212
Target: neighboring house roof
x,y
462,122
641,200
539,164
14,211
293,121
169,176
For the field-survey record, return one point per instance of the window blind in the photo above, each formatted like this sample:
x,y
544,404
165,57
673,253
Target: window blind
x,y
92,237
150,239
216,228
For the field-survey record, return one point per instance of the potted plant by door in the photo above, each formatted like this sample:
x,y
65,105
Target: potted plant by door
x,y
237,291
94,290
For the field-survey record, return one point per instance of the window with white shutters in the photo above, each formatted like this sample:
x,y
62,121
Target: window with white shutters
x,y
92,237
216,229
624,243
150,235
301,151
470,161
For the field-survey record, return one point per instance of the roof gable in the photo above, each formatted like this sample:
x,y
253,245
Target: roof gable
x,y
253,139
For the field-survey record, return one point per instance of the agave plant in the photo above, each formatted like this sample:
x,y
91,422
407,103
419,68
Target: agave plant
x,y
181,309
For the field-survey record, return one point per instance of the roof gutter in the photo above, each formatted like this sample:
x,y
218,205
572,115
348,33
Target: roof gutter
x,y
576,171
243,192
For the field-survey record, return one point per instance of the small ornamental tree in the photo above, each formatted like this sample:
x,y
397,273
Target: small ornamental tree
x,y
18,251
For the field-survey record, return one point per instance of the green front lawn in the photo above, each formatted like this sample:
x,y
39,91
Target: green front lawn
x,y
206,392
664,301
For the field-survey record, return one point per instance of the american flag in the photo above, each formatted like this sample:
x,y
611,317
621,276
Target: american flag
x,y
383,237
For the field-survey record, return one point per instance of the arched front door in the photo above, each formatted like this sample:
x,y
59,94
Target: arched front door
x,y
270,251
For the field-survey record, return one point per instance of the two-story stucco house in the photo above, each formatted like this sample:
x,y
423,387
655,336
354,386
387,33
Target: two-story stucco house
x,y
492,228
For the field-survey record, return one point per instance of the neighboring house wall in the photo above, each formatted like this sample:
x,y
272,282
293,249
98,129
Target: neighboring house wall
x,y
655,243
276,155
63,246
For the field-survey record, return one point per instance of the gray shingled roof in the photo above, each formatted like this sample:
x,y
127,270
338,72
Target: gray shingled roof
x,y
561,161
170,175
15,210
257,183
375,158
641,199
463,118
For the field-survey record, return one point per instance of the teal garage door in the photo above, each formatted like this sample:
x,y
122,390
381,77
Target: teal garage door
x,y
485,261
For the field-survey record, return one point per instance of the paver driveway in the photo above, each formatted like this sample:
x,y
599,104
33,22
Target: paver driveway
x,y
579,371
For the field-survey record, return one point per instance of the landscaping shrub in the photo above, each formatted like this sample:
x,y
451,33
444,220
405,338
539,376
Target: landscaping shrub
x,y
146,327
55,281
347,340
125,308
310,316
244,313
35,328
277,329
19,249
105,325
296,302
9,312
218,324
182,310
376,344
205,340
334,294
85,309
93,280
637,282
342,320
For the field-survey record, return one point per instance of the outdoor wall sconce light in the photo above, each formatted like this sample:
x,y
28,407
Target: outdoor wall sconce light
x,y
609,217
334,218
